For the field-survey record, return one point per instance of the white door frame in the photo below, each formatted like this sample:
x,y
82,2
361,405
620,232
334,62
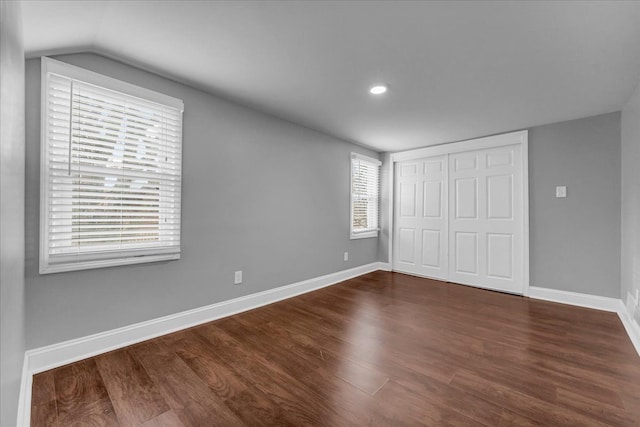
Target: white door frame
x,y
513,138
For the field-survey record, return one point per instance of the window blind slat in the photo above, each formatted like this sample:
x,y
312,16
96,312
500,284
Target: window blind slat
x,y
137,147
161,174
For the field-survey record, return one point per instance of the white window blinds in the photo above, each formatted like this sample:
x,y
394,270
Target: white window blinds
x,y
111,171
365,196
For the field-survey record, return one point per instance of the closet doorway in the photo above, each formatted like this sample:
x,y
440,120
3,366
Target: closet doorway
x,y
460,212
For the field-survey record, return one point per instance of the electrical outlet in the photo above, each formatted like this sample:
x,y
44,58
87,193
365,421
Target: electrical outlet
x,y
561,191
237,278
346,256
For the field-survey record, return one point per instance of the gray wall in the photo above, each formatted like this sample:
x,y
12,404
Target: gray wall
x,y
259,194
12,335
631,197
574,242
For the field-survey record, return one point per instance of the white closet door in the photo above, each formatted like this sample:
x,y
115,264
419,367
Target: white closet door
x,y
486,218
420,227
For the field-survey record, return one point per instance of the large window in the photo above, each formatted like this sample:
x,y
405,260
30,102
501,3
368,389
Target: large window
x,y
110,171
365,196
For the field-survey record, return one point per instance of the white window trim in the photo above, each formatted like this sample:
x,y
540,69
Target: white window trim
x,y
123,257
353,235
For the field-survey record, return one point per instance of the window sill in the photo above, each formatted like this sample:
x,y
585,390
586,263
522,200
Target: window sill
x,y
367,235
87,265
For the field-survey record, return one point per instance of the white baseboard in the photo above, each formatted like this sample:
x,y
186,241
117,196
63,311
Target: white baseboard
x,y
52,356
574,298
24,400
384,266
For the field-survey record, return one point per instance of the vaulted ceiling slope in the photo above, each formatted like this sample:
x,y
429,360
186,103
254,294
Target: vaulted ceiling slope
x,y
456,70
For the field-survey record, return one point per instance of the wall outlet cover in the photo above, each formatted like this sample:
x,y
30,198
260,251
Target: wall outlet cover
x,y
237,279
346,256
561,191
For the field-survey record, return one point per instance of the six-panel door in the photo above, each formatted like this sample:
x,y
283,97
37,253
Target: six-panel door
x,y
485,224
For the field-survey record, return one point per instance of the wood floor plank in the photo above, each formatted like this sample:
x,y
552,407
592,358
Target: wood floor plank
x,y
43,388
350,405
81,397
205,362
188,396
609,414
45,414
511,419
365,378
383,349
44,411
467,404
521,403
134,396
403,402
166,419
283,389
255,408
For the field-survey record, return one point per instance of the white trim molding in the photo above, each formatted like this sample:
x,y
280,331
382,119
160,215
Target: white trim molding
x,y
574,298
24,399
384,266
511,138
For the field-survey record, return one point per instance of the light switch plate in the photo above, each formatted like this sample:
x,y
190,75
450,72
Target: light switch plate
x,y
561,191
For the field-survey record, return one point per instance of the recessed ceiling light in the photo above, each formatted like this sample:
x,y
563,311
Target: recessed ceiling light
x,y
378,89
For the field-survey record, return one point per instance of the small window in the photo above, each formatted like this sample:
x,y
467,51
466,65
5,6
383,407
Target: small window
x,y
365,196
110,171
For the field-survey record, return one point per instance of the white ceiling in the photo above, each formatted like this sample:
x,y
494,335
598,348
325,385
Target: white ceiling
x,y
456,70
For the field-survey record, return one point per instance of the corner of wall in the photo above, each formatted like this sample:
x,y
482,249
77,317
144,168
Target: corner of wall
x,y
630,200
12,151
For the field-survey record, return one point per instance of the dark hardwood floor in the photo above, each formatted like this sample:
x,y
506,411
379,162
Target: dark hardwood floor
x,y
383,349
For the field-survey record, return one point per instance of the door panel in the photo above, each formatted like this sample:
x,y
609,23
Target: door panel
x,y
432,199
465,162
409,170
499,158
500,195
499,255
466,253
407,241
466,198
421,212
431,248
408,200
